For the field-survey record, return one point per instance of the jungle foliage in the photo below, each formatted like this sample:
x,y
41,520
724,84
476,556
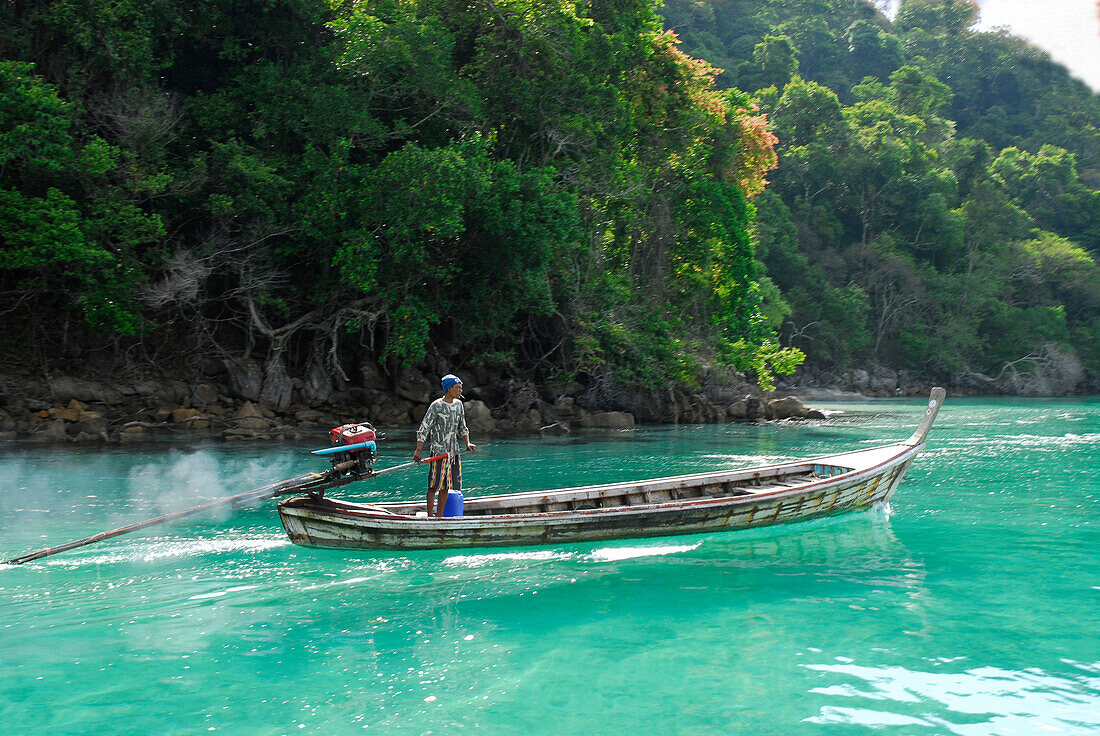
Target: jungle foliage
x,y
555,188
935,207
326,185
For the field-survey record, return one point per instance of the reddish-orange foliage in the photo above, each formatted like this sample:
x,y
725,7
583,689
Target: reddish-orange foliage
x,y
693,93
756,154
697,75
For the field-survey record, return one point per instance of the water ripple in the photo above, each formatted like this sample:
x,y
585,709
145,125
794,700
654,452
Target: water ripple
x,y
150,549
983,701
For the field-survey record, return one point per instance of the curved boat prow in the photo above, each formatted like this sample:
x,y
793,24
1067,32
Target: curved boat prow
x,y
721,500
935,401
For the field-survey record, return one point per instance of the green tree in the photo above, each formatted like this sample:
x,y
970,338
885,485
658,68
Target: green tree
x,y
1046,185
72,236
777,58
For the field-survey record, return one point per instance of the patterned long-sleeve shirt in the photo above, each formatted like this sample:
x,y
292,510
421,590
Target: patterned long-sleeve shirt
x,y
443,424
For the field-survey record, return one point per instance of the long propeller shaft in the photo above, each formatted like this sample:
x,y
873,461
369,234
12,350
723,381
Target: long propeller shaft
x,y
335,477
331,478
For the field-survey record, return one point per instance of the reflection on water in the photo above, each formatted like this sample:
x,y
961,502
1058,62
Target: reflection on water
x,y
981,701
150,549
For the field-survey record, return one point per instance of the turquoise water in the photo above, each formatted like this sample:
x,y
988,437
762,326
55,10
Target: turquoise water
x,y
970,606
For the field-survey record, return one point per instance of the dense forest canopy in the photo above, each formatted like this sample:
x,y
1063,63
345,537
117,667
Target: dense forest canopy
x,y
563,190
935,206
330,185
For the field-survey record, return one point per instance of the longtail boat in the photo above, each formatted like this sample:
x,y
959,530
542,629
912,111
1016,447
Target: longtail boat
x,y
685,504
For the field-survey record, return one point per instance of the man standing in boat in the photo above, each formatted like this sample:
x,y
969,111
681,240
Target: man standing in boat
x,y
443,426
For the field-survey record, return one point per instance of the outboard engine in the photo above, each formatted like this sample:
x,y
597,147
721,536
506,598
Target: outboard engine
x,y
361,440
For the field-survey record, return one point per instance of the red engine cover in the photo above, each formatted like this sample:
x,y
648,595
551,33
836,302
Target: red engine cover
x,y
352,434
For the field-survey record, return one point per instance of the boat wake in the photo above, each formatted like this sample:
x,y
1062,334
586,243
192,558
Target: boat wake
x,y
604,554
615,554
471,561
154,549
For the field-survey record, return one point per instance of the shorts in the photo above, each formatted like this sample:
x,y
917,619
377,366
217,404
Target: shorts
x,y
445,474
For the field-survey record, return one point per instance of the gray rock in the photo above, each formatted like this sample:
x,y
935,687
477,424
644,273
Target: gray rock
x,y
8,436
478,417
317,387
786,407
613,420
94,427
884,380
523,398
485,376
204,394
133,434
247,410
53,431
476,411
64,388
250,424
180,391
530,420
517,421
370,376
565,406
755,408
177,393
365,397
557,429
416,387
278,387
245,378
148,388
392,414
182,415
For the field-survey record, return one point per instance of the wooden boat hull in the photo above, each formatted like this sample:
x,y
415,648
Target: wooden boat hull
x,y
691,504
327,523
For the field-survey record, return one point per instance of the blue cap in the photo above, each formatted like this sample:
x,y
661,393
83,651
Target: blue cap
x,y
449,380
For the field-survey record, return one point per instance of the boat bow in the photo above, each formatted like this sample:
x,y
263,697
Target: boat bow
x,y
688,504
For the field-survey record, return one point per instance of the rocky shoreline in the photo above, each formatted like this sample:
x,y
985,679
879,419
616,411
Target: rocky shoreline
x,y
228,401
1043,377
70,409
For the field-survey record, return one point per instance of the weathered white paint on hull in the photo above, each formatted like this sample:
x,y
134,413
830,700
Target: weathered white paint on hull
x,y
690,504
325,523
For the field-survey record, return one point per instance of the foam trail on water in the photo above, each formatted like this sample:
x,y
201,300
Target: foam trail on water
x,y
615,554
155,549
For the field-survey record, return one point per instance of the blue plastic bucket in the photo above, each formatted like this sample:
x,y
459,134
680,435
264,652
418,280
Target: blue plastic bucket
x,y
454,503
